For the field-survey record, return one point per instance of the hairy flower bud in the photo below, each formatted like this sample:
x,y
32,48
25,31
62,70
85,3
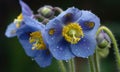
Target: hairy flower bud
x,y
103,40
46,11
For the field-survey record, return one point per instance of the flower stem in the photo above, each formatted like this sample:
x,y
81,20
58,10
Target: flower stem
x,y
58,9
62,66
91,64
116,50
71,65
96,61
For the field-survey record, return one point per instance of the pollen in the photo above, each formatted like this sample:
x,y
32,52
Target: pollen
x,y
18,20
20,17
51,31
72,33
37,41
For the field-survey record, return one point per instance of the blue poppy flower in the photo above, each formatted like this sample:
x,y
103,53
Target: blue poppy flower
x,y
72,33
12,27
31,38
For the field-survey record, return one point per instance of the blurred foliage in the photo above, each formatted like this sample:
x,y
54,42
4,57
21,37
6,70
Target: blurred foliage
x,y
12,55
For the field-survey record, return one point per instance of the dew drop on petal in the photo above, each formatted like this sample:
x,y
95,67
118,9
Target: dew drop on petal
x,y
57,46
39,55
76,50
52,38
54,23
61,49
88,48
54,49
84,40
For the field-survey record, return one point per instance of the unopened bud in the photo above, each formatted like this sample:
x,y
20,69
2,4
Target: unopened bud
x,y
46,11
103,40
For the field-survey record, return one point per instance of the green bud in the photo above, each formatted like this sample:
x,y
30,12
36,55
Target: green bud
x,y
104,43
46,11
103,52
103,40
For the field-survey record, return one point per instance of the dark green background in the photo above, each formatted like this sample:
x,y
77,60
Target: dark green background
x,y
12,55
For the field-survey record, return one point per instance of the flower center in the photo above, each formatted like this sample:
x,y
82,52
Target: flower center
x,y
72,33
37,40
18,20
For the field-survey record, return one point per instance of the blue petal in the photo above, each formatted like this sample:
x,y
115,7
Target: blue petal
x,y
43,58
11,30
25,9
70,15
87,16
23,36
75,14
61,50
57,26
85,47
33,23
23,32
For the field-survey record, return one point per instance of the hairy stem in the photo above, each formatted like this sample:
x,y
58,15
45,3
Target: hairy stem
x,y
116,50
96,61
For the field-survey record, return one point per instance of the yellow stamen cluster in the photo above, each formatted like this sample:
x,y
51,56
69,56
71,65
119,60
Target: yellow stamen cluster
x,y
72,33
18,20
37,40
51,31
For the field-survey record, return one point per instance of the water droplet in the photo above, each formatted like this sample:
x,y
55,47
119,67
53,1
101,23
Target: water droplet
x,y
57,46
54,49
76,49
54,23
84,40
61,48
39,55
52,38
88,48
66,60
33,59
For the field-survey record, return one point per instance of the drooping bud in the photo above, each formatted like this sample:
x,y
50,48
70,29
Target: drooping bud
x,y
103,40
46,11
